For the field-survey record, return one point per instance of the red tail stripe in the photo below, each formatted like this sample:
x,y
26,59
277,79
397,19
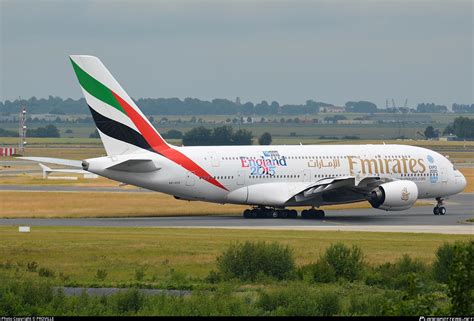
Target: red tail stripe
x,y
161,147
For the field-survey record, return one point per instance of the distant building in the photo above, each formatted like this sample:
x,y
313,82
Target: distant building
x,y
355,122
449,138
333,109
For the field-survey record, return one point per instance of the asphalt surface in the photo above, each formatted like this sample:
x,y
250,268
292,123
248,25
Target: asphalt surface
x,y
417,219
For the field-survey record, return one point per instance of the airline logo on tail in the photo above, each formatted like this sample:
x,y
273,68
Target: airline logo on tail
x,y
117,116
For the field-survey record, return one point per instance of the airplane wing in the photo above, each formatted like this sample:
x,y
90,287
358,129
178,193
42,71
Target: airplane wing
x,y
341,189
57,161
336,190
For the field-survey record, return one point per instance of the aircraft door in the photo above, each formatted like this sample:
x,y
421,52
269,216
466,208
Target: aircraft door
x,y
214,160
240,177
443,175
306,175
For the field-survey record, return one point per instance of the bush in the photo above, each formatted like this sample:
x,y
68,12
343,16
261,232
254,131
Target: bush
x,y
129,301
443,263
300,300
366,303
396,275
461,279
32,266
323,272
45,272
101,274
346,262
140,273
249,261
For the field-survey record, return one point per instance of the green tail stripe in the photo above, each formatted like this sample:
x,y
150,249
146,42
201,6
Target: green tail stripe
x,y
95,88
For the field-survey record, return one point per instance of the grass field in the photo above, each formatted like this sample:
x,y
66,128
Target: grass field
x,y
110,204
469,174
77,253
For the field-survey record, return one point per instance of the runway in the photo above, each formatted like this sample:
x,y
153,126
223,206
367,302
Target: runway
x,y
418,219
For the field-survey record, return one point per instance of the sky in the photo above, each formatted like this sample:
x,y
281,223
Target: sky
x,y
288,51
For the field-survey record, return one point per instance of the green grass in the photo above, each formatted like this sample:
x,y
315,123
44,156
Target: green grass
x,y
78,252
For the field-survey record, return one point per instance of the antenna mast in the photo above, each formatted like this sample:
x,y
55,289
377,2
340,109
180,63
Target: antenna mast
x,y
22,127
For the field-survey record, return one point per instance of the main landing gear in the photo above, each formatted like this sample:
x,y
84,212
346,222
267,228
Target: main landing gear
x,y
439,209
312,213
264,212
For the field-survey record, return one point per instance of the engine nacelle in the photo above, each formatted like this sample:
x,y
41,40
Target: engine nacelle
x,y
394,196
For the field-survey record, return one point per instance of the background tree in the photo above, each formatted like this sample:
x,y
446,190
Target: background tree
x,y
48,131
242,137
173,134
464,127
94,134
430,132
265,139
222,135
197,136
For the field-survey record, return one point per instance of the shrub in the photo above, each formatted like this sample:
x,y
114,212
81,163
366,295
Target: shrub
x,y
32,266
45,272
344,261
323,272
101,274
366,303
248,261
129,301
443,262
140,273
396,275
299,299
461,279
213,277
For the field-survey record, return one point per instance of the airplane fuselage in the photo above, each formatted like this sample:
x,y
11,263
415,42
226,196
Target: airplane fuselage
x,y
247,172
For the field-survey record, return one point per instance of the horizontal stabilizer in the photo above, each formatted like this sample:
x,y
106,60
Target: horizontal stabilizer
x,y
135,165
62,170
57,161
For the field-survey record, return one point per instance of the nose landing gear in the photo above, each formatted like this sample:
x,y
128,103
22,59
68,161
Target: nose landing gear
x,y
439,209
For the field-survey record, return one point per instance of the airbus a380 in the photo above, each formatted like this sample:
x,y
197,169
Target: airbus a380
x,y
267,178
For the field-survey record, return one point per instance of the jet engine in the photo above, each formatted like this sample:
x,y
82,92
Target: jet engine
x,y
394,196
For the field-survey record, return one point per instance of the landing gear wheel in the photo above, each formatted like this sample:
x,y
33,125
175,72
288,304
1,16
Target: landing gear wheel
x,y
442,210
436,210
304,214
253,213
293,214
275,214
320,214
247,213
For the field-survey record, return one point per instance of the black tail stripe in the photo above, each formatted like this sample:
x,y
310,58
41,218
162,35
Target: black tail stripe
x,y
119,131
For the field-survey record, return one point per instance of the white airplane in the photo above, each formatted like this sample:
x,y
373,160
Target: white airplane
x,y
268,178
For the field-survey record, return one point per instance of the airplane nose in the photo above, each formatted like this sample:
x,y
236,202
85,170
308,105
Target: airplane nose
x,y
461,181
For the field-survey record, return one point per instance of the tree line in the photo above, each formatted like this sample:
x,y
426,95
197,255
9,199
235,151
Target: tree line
x,y
462,127
193,106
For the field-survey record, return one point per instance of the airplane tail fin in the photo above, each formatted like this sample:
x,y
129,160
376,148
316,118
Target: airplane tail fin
x,y
122,127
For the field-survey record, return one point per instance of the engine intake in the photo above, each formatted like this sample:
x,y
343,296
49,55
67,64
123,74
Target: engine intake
x,y
394,196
